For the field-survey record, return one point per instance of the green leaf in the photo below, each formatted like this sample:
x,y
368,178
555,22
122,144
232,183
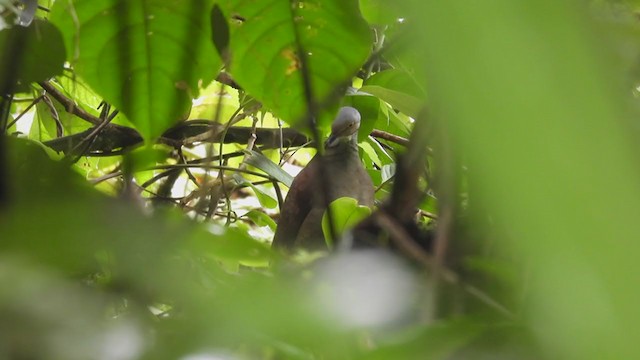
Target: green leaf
x,y
525,73
71,124
144,57
369,108
429,204
84,97
392,122
265,41
265,164
406,103
383,155
23,52
370,152
143,158
346,214
398,80
499,270
261,219
264,198
440,341
380,12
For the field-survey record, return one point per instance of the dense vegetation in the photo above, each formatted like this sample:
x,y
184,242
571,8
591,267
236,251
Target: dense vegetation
x,y
147,146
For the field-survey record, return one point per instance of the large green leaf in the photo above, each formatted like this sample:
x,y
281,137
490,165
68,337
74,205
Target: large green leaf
x,y
22,51
406,103
398,88
534,101
144,57
264,49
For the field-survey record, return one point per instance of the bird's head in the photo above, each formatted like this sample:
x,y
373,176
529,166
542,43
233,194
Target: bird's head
x,y
344,128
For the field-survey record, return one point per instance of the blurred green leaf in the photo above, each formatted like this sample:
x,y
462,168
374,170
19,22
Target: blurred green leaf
x,y
531,97
440,341
529,125
142,159
42,53
398,80
145,58
379,12
500,270
45,316
230,244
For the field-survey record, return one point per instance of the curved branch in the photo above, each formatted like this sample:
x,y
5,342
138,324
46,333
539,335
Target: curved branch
x,y
116,139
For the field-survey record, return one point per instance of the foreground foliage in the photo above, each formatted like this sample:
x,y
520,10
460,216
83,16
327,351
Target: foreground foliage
x,y
128,172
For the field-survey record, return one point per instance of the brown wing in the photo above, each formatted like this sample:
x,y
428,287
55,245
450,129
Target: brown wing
x,y
296,207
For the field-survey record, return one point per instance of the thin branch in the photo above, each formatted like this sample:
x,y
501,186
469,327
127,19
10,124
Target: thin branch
x,y
90,138
428,214
69,105
276,186
406,244
182,166
183,160
390,137
195,161
33,103
54,115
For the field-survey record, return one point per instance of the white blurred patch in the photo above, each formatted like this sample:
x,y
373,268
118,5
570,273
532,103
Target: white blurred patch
x,y
213,355
216,229
365,288
123,341
261,233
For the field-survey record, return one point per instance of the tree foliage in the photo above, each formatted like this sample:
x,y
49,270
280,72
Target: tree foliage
x,y
147,146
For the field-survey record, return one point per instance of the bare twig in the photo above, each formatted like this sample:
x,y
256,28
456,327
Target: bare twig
x,y
390,137
54,115
428,214
407,245
69,105
91,137
182,166
26,110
